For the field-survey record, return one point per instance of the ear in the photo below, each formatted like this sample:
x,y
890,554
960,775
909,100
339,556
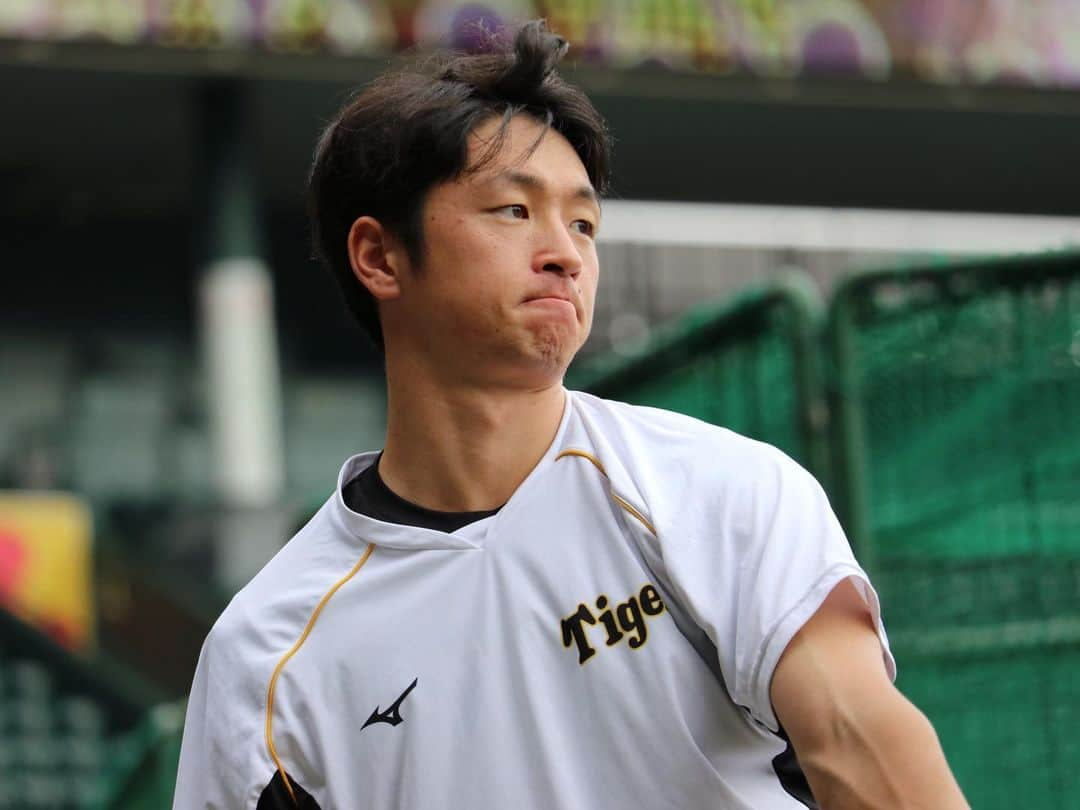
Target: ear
x,y
376,258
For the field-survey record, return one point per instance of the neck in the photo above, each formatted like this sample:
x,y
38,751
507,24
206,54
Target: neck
x,y
464,448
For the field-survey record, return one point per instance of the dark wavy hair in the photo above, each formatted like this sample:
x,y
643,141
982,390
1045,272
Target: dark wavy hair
x,y
408,131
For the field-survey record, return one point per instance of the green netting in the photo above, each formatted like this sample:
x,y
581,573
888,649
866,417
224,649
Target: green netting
x,y
142,772
1007,721
958,407
966,387
747,365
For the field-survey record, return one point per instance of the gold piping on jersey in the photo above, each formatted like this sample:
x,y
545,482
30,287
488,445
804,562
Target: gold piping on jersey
x,y
626,505
285,659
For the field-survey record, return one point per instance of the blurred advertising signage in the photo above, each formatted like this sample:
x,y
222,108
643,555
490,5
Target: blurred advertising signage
x,y
1033,42
45,563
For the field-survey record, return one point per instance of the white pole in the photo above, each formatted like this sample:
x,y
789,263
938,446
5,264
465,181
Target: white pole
x,y
244,400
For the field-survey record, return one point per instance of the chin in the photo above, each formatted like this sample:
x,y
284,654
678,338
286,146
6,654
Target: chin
x,y
554,347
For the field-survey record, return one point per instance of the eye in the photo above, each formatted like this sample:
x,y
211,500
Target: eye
x,y
583,226
517,211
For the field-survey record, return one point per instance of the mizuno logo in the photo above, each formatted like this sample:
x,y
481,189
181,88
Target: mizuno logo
x,y
392,715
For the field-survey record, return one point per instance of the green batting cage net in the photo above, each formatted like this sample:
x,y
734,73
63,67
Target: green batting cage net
x,y
142,768
749,365
957,438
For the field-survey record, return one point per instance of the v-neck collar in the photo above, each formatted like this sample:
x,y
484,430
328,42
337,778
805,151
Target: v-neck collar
x,y
471,536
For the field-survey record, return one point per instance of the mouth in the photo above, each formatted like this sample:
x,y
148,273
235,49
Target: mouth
x,y
559,296
554,304
556,298
551,300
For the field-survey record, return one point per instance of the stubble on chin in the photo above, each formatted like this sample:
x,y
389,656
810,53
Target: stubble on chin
x,y
553,347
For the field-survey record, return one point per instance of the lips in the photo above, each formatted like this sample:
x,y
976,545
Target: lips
x,y
561,303
551,296
554,302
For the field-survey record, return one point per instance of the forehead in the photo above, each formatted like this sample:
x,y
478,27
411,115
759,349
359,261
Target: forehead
x,y
524,144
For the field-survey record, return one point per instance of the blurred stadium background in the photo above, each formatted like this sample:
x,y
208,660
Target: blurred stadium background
x,y
847,227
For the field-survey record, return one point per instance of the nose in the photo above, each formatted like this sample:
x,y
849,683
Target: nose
x,y
557,253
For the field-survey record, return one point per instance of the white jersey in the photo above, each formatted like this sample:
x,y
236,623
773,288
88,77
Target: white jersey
x,y
532,659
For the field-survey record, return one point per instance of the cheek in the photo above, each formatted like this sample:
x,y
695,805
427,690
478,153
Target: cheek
x,y
588,282
457,256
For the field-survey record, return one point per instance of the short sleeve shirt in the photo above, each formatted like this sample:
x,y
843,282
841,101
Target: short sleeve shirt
x,y
531,658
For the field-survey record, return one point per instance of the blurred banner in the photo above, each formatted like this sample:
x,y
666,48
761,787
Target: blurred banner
x,y
1028,42
45,559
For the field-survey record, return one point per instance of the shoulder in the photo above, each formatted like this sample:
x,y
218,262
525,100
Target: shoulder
x,y
692,479
223,754
680,449
267,615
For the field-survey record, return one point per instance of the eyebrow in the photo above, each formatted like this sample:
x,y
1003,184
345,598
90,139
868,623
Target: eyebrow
x,y
534,183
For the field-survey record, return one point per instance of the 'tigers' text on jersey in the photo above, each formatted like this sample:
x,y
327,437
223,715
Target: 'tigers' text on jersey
x,y
624,620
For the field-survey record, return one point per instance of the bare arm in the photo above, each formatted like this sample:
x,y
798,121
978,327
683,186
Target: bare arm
x,y
859,741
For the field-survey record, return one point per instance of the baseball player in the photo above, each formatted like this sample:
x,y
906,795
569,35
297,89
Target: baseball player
x,y
532,597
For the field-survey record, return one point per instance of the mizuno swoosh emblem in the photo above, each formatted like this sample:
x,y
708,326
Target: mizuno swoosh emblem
x,y
392,715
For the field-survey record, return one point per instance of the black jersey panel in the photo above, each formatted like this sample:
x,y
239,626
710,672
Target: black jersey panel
x,y
790,773
275,796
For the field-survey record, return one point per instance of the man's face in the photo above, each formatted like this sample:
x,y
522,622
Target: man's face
x,y
505,294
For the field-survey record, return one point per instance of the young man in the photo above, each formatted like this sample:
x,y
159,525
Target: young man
x,y
531,597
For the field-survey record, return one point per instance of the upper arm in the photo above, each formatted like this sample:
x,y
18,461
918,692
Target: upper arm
x,y
218,765
860,742
835,660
